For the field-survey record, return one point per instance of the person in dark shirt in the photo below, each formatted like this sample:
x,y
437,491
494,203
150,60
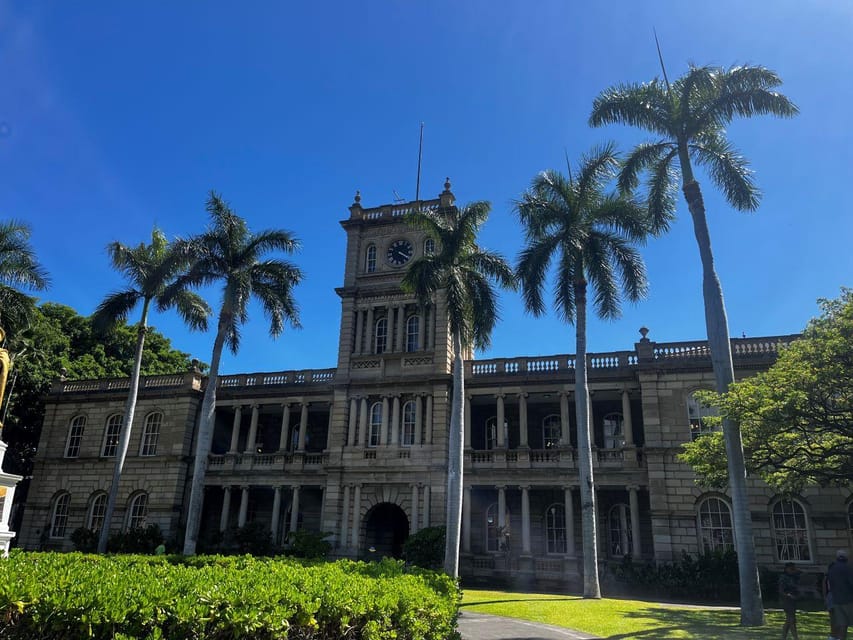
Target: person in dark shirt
x,y
840,578
789,591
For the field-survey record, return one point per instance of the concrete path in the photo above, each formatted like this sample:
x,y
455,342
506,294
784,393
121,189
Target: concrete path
x,y
481,626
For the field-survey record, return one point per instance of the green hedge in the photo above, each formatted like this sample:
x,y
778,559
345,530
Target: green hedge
x,y
71,596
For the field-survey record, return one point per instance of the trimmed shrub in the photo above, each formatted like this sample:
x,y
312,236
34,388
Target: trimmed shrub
x,y
138,540
85,540
425,548
309,544
71,596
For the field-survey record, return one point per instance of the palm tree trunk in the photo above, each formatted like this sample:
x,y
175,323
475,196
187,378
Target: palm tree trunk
x,y
455,461
751,607
591,587
126,428
205,435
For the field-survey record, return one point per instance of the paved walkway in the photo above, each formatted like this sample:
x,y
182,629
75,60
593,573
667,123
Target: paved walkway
x,y
481,626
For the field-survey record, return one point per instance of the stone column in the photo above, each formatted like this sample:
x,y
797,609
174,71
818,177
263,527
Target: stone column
x,y
634,504
353,421
285,426
425,519
467,422
235,429
627,424
244,506
371,332
421,328
401,328
522,419
415,497
418,420
395,420
356,516
303,425
525,520
570,520
276,513
429,321
500,421
383,429
345,517
226,509
466,520
362,423
294,508
252,440
359,331
428,419
565,437
389,324
501,507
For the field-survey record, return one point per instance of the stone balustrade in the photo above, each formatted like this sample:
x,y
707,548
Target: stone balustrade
x,y
392,211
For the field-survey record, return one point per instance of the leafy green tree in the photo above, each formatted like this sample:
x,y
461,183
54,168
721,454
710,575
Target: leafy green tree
x,y
797,417
587,234
19,269
149,268
689,118
463,273
228,253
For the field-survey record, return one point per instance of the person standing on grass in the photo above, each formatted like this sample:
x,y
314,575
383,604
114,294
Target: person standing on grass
x,y
827,598
789,591
840,578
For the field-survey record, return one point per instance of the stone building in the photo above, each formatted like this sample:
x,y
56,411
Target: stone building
x,y
360,450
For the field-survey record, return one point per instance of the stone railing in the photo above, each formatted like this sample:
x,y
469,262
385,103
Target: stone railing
x,y
546,365
273,462
190,380
276,379
391,211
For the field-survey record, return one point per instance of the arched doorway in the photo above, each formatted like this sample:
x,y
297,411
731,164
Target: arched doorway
x,y
386,529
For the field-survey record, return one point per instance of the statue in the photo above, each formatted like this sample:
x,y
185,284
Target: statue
x,y
5,363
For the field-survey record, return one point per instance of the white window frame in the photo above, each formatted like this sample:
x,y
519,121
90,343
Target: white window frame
x,y
614,438
137,511
407,435
551,424
788,550
429,247
59,515
374,428
493,533
151,434
714,524
696,414
380,335
412,331
112,436
97,511
619,514
556,540
370,259
74,441
491,433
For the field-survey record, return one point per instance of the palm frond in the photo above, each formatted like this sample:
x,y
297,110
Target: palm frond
x,y
729,170
641,157
115,308
600,275
18,264
661,190
192,308
639,105
597,167
16,310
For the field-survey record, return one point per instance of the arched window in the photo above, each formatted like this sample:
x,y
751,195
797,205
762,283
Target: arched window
x,y
614,436
380,335
151,434
97,509
407,438
370,259
714,522
111,435
75,436
59,517
429,247
137,512
619,531
412,330
552,431
697,414
492,432
555,528
375,431
495,533
791,531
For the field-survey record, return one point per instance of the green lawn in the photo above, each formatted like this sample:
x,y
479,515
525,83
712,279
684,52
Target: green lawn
x,y
623,619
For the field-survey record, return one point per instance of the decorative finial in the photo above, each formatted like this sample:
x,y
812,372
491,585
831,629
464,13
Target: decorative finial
x,y
63,373
194,364
358,197
447,184
644,331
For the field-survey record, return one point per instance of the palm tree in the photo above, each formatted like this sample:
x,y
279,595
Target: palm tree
x,y
150,269
19,269
464,274
570,222
230,254
688,117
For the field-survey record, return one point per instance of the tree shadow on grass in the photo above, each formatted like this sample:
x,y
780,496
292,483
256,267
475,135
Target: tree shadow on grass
x,y
715,624
506,600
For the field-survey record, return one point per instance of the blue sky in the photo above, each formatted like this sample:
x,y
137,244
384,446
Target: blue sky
x,y
119,116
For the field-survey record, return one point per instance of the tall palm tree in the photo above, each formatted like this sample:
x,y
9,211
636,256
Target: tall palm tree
x,y
688,118
19,269
230,254
572,223
150,269
464,274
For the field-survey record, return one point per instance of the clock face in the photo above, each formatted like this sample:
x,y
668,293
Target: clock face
x,y
399,253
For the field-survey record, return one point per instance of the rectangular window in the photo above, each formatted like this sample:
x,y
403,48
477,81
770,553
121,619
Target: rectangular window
x,y
111,436
151,434
75,437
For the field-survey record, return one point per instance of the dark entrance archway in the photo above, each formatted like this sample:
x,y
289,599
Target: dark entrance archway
x,y
386,529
